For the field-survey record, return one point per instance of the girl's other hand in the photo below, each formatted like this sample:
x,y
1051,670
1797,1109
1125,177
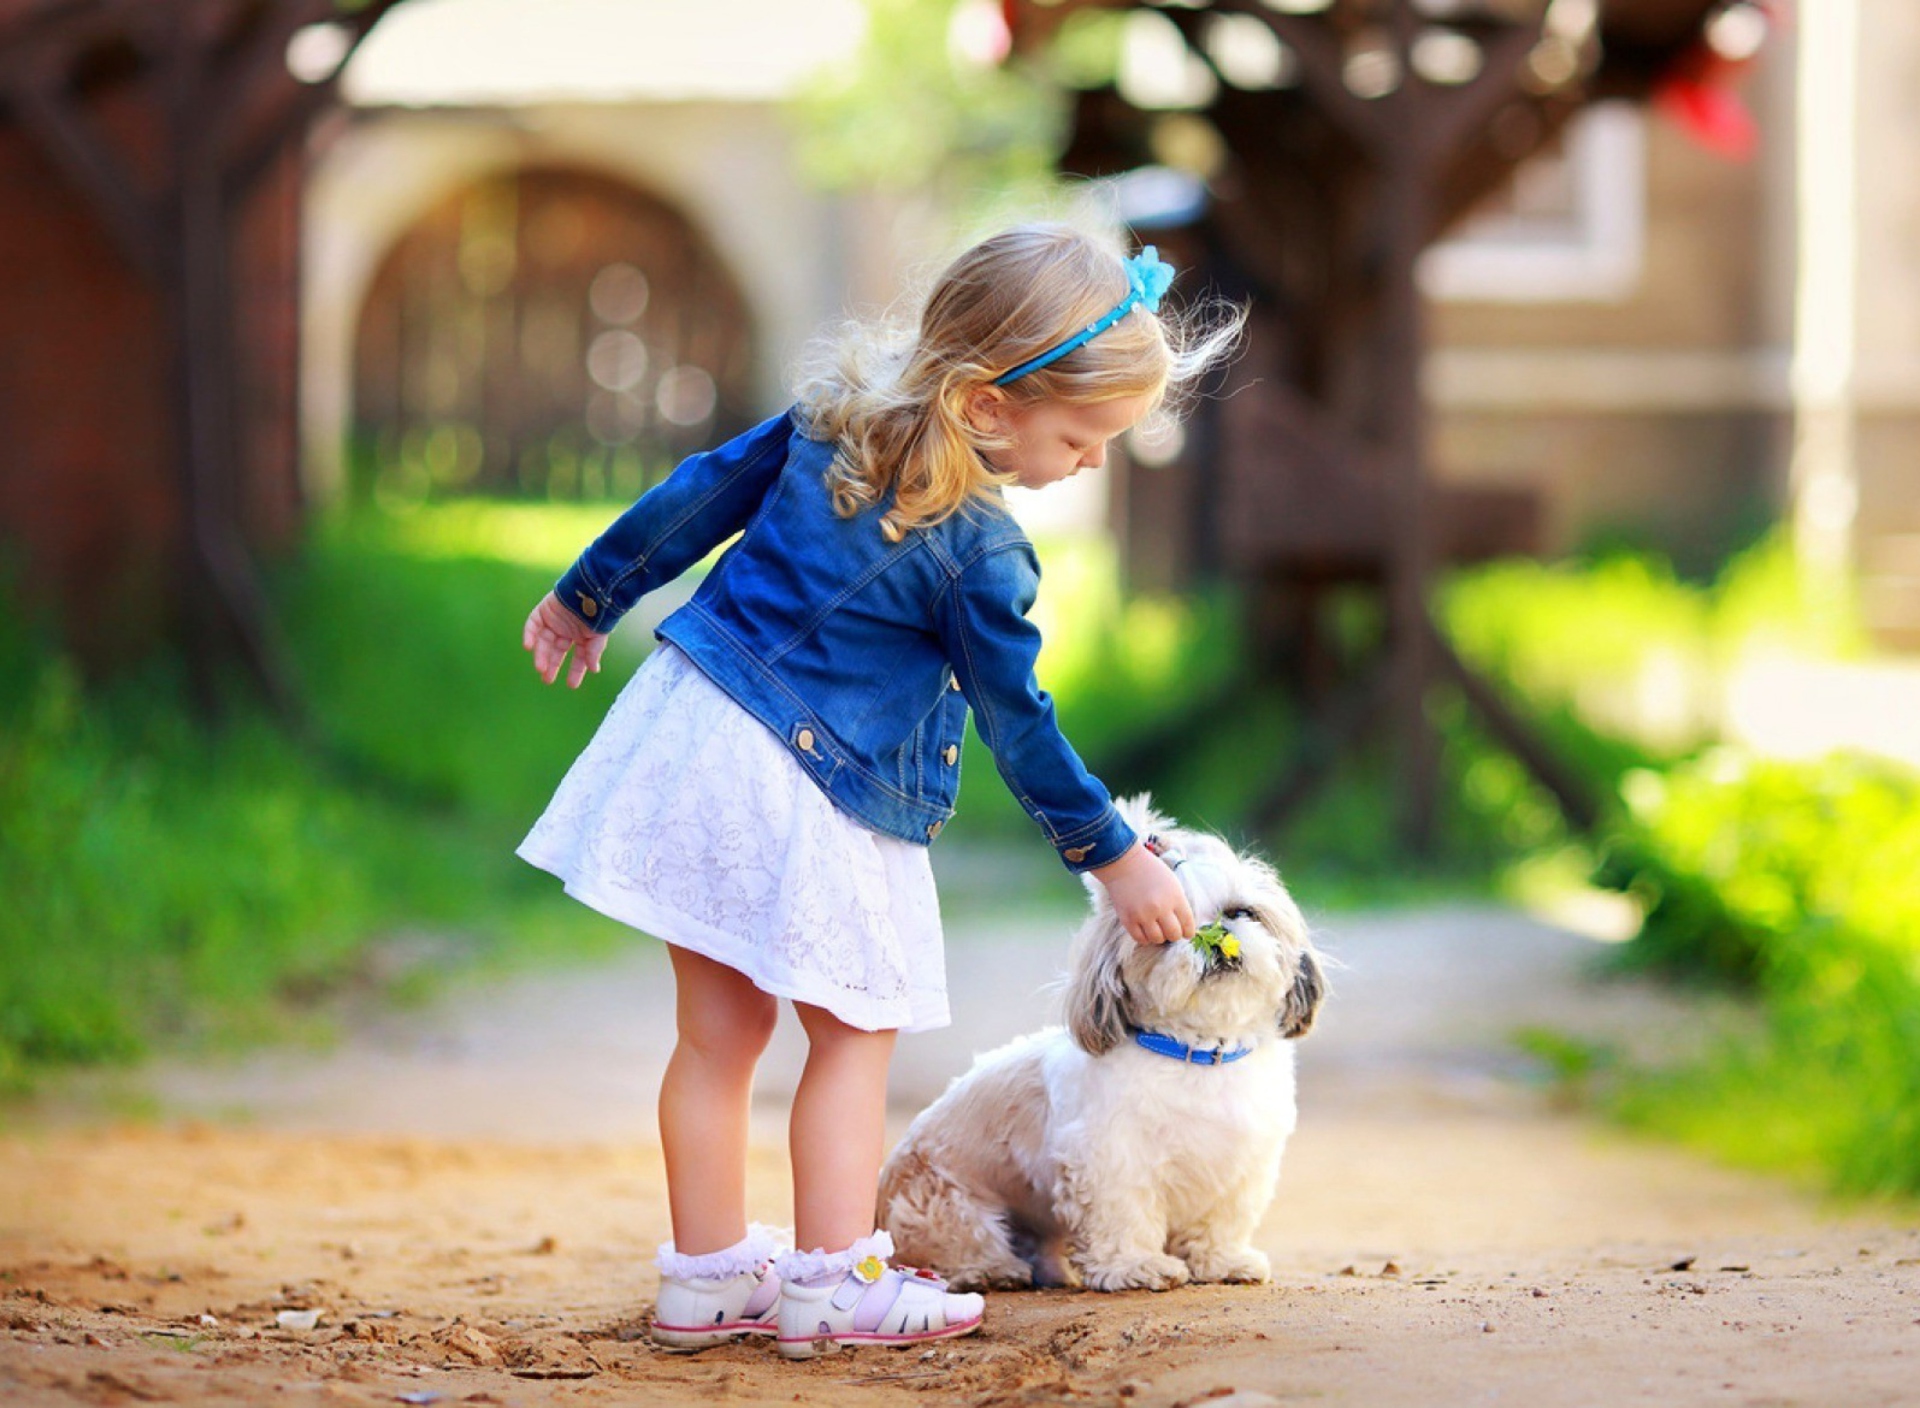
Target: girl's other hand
x,y
551,632
1147,897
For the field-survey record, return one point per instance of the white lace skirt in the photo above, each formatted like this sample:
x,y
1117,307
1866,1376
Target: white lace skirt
x,y
687,819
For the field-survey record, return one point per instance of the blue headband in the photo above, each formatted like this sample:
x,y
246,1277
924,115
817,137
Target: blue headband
x,y
1148,280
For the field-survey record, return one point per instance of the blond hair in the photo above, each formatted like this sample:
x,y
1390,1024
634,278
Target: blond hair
x,y
894,401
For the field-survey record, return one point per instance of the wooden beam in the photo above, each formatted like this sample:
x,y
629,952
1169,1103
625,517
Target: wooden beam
x,y
1400,419
88,162
1324,736
225,595
1322,72
1502,58
69,22
1575,798
295,114
257,67
299,105
206,374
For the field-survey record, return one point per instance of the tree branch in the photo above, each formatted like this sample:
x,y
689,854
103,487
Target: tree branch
x,y
1322,72
87,161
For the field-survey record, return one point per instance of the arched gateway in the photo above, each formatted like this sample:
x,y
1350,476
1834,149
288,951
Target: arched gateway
x,y
545,331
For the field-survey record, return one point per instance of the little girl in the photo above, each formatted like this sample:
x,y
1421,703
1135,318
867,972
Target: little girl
x,y
762,794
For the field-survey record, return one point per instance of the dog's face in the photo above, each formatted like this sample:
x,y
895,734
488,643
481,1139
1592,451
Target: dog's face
x,y
1196,994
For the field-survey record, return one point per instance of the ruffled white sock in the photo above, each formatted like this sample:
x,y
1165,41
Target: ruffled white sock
x,y
760,1245
820,1267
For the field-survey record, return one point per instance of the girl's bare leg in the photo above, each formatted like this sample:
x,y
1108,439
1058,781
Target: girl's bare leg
x,y
724,1024
838,1131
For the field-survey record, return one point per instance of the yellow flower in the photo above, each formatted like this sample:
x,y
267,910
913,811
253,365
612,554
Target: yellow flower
x,y
870,1269
1215,938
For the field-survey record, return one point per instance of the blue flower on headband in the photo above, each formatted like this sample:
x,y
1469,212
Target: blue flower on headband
x,y
1150,277
1147,282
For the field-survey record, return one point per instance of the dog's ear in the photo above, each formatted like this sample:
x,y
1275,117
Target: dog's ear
x,y
1303,998
1095,995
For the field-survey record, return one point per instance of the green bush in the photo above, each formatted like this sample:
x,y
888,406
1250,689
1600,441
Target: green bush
x,y
1734,859
1122,667
165,882
1791,882
407,632
1796,880
169,881
1620,660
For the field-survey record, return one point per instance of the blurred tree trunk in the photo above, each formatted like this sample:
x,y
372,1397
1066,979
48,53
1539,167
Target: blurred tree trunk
x,y
219,109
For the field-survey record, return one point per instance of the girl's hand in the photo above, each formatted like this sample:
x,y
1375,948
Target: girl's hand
x,y
551,632
1147,897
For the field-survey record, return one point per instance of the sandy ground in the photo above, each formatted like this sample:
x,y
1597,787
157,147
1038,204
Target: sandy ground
x,y
469,1198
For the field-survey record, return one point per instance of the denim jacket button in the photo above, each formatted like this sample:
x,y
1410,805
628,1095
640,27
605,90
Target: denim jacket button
x,y
1076,854
934,829
953,683
951,755
589,608
804,740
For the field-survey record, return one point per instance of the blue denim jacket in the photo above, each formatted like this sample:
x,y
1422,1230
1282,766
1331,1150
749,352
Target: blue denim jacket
x,y
861,654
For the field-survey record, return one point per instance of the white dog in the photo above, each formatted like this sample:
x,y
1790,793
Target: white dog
x,y
1139,1147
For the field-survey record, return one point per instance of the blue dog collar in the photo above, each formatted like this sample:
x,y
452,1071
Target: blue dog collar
x,y
1160,1044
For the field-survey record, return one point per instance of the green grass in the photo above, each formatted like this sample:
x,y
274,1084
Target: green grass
x,y
170,885
174,885
167,885
1789,884
1793,881
1120,665
407,630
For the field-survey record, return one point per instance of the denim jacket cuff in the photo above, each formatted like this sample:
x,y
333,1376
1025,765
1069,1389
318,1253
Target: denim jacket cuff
x,y
1100,844
577,592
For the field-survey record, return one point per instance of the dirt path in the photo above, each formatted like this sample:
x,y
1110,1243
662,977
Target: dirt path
x,y
469,1199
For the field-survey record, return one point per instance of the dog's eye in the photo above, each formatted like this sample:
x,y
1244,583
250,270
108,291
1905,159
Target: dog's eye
x,y
1239,911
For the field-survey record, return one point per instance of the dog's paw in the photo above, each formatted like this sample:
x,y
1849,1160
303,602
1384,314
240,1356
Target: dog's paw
x,y
1157,1272
1241,1266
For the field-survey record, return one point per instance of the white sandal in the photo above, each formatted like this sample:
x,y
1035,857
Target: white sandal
x,y
717,1297
870,1302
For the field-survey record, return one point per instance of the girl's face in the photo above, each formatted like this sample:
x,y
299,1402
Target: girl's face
x,y
1054,440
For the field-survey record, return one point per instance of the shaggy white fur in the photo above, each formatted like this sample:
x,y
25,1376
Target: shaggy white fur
x,y
1074,1155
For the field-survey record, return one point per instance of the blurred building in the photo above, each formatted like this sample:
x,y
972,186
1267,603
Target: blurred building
x,y
1616,333
1627,338
1688,316
554,249
1672,343
551,246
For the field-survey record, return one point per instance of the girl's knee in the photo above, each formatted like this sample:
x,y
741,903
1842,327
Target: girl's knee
x,y
756,1021
738,1028
827,1032
719,1010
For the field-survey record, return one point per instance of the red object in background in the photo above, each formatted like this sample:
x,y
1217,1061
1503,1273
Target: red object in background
x,y
1699,92
1713,115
